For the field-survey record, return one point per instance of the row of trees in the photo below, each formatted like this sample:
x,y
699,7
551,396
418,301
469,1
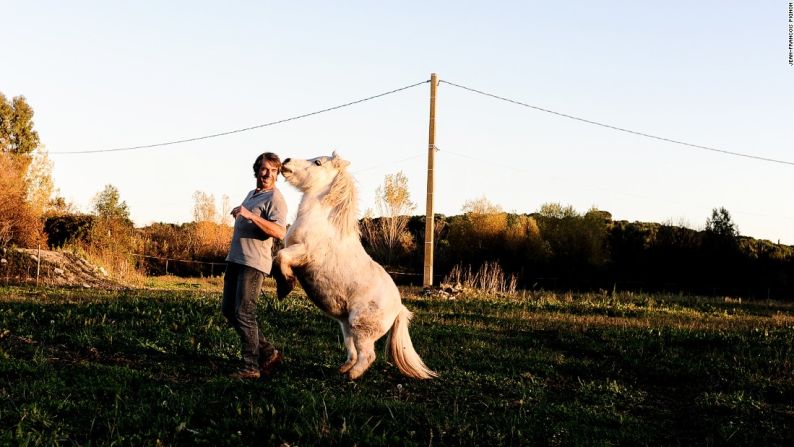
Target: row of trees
x,y
33,214
558,247
555,247
107,234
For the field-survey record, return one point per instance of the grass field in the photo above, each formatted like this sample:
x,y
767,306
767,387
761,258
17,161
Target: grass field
x,y
150,367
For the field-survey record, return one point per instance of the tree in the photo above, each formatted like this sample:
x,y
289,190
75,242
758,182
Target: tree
x,y
38,179
16,126
59,206
226,211
577,244
388,236
19,219
487,222
19,224
523,245
721,224
393,198
480,206
108,204
479,234
113,240
557,211
204,207
209,235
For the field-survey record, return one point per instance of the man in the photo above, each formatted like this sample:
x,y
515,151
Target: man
x,y
260,218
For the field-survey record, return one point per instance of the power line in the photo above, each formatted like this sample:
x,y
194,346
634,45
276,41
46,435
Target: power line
x,y
272,123
618,128
488,162
604,188
387,163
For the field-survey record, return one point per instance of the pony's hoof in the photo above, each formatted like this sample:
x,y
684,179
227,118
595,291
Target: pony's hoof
x,y
283,288
345,367
353,374
283,285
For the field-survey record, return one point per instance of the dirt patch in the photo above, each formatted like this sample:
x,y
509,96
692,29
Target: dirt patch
x,y
56,268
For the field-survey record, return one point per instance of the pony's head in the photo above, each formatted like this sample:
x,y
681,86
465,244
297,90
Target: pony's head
x,y
328,178
313,175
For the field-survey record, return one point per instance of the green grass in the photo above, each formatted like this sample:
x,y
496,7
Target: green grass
x,y
150,366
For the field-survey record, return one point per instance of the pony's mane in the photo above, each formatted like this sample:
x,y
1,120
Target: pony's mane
x,y
342,197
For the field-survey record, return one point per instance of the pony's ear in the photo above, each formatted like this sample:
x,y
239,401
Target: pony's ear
x,y
338,162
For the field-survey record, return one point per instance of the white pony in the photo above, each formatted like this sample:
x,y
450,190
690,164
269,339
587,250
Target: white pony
x,y
323,251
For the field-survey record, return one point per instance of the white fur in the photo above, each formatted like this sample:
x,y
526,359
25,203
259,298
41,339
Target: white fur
x,y
323,251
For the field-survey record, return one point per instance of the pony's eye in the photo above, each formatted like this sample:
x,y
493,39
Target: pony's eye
x,y
318,162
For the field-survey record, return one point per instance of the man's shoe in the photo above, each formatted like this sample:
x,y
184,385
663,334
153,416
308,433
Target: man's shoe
x,y
269,364
246,374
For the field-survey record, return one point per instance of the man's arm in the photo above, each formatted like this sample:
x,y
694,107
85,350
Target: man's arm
x,y
272,229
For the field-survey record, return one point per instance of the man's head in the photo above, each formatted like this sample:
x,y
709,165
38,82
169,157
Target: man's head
x,y
266,169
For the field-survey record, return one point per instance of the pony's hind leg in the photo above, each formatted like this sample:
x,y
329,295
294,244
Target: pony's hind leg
x,y
365,328
352,354
366,355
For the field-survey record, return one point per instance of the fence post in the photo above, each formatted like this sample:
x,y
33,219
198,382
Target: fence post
x,y
38,265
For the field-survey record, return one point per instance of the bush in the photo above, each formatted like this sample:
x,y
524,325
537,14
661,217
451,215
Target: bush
x,y
205,242
113,242
68,228
489,279
387,239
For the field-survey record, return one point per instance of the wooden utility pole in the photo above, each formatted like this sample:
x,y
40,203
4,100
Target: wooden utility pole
x,y
429,215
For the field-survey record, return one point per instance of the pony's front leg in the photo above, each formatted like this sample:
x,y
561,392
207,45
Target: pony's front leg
x,y
286,259
350,346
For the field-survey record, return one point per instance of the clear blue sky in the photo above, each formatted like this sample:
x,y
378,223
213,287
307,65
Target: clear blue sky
x,y
713,73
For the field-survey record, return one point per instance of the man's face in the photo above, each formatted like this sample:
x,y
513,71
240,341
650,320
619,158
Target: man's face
x,y
266,177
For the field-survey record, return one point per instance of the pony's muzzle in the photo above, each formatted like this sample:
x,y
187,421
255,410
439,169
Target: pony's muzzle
x,y
284,168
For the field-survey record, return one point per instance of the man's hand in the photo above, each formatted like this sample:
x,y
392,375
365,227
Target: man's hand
x,y
245,213
270,228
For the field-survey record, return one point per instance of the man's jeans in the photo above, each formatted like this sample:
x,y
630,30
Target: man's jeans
x,y
241,286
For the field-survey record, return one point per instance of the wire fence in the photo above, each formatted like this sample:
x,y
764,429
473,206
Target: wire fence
x,y
168,261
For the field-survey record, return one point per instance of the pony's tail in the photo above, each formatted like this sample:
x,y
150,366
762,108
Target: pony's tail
x,y
402,350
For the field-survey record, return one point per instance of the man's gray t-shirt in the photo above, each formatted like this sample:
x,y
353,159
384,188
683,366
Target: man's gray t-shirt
x,y
250,245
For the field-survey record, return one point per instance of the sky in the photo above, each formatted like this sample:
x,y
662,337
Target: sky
x,y
103,75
